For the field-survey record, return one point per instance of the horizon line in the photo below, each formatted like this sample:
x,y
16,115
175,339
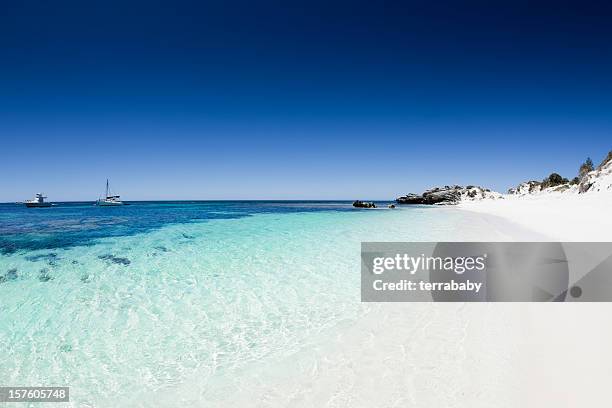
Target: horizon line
x,y
216,200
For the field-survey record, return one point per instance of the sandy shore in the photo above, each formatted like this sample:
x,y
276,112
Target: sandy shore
x,y
562,351
562,217
456,355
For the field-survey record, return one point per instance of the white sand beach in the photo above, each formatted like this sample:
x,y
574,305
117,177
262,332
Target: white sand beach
x,y
563,354
562,217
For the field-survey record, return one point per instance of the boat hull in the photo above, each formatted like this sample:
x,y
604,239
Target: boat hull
x,y
109,204
37,205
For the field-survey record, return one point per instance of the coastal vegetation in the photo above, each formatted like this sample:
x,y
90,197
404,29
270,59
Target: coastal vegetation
x,y
589,178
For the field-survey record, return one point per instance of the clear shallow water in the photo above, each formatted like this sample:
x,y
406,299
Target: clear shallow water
x,y
123,304
70,224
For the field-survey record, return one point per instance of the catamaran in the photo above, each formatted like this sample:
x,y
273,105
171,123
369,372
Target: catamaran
x,y
109,200
37,202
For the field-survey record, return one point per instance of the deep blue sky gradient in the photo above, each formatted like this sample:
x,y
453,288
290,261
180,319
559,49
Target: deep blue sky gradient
x,y
295,100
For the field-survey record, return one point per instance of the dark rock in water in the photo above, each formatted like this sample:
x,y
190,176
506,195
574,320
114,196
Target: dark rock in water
x,y
43,257
44,276
74,262
51,258
188,236
391,205
115,259
11,274
363,204
121,261
66,348
161,248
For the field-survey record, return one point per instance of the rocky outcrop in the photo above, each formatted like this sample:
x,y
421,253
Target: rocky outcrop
x,y
588,180
410,199
448,195
599,179
476,193
445,195
536,187
363,204
527,187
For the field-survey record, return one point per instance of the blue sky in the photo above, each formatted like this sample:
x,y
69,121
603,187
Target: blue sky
x,y
319,100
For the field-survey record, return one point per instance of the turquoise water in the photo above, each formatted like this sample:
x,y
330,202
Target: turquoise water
x,y
123,304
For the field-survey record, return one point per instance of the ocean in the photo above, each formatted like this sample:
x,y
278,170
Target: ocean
x,y
179,301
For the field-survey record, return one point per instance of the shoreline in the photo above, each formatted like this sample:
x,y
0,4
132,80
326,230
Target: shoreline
x,y
431,354
419,352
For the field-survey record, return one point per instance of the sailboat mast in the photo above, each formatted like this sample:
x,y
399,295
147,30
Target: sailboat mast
x,y
106,189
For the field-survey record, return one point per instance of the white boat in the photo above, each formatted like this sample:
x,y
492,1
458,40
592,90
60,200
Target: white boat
x,y
109,200
37,202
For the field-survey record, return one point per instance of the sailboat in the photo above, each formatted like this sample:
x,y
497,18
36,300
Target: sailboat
x,y
109,200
